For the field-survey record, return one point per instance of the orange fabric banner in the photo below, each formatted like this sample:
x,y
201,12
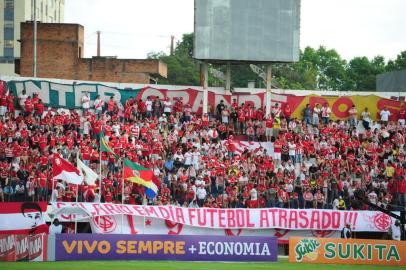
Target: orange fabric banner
x,y
347,251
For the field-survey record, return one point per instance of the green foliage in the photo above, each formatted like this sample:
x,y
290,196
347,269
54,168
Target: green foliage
x,y
317,69
397,64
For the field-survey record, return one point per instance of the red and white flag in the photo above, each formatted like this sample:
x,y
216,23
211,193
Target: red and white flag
x,y
63,170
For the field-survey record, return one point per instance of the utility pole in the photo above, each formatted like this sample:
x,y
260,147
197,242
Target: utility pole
x,y
98,43
34,53
268,94
204,80
172,44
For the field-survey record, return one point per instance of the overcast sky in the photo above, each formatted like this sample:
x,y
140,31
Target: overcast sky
x,y
132,28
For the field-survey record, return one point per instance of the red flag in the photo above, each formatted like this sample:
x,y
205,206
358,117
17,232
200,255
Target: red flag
x,y
61,169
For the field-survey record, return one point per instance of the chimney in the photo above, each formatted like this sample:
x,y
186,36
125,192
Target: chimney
x,y
98,43
172,44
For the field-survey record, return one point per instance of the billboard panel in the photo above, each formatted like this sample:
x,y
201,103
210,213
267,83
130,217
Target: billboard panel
x,y
347,251
241,30
164,247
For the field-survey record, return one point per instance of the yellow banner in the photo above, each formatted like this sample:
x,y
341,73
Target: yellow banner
x,y
341,105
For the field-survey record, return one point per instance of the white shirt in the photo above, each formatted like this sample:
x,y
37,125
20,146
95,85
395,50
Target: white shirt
x,y
325,112
201,193
85,102
395,232
195,157
365,116
22,98
316,112
188,158
385,115
86,127
167,106
180,156
98,104
116,129
345,232
292,149
55,229
254,194
148,104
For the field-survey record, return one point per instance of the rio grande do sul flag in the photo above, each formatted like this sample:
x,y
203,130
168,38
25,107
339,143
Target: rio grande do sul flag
x,y
142,176
63,170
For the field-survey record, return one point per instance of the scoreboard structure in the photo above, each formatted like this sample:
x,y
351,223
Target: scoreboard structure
x,y
255,31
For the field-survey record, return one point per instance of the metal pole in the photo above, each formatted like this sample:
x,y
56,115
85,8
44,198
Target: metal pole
x,y
122,197
268,95
228,77
204,74
34,53
76,218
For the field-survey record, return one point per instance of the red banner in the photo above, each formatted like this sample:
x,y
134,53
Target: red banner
x,y
23,247
340,106
23,218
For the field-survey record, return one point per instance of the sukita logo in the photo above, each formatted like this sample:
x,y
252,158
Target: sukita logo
x,y
307,249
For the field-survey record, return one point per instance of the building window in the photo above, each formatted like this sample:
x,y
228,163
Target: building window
x,y
8,43
9,14
9,33
8,52
8,24
9,4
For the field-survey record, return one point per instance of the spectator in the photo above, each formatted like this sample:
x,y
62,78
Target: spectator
x,y
316,115
366,118
353,116
56,227
346,232
385,113
85,101
325,113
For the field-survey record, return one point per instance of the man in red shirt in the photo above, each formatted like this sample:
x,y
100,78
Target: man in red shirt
x,y
287,112
401,186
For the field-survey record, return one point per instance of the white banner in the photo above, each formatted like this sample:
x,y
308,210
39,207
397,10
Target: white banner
x,y
252,219
147,225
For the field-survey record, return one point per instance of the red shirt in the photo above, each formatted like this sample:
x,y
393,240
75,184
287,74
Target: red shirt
x,y
402,187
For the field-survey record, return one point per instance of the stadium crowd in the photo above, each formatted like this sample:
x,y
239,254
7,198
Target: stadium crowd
x,y
315,162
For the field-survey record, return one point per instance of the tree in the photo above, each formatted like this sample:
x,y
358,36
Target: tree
x,y
362,72
398,64
182,69
317,69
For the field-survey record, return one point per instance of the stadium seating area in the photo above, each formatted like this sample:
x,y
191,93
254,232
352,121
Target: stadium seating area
x,y
315,162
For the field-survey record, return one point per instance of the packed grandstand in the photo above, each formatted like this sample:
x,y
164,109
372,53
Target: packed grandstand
x,y
198,160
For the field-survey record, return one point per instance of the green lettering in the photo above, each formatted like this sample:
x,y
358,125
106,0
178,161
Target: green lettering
x,y
369,253
393,252
330,252
358,252
380,249
341,254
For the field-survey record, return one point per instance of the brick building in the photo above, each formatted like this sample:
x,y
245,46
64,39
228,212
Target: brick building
x,y
60,55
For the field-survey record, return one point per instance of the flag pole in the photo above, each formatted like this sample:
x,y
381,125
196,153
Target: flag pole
x,y
122,196
100,170
76,218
